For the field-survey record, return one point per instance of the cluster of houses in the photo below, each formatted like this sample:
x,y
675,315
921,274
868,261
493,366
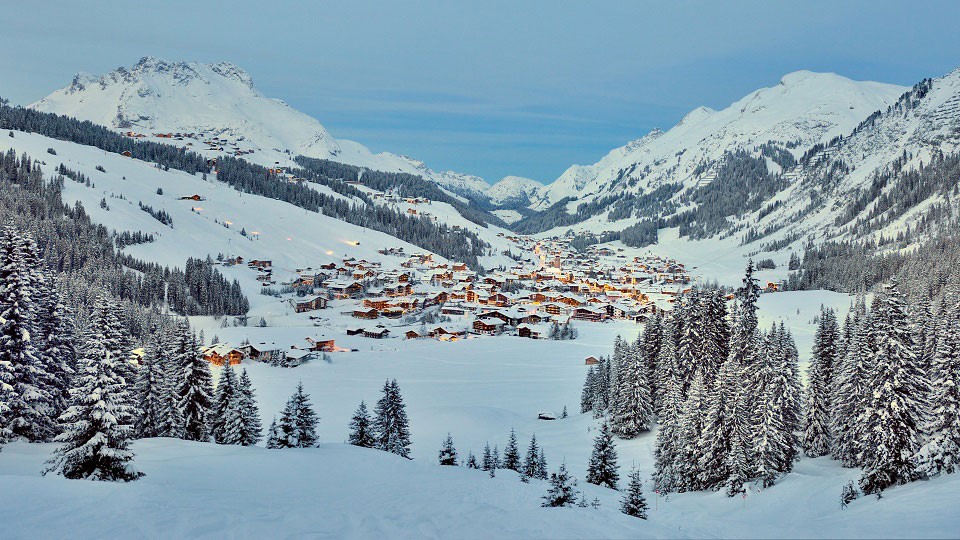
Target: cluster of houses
x,y
555,284
219,354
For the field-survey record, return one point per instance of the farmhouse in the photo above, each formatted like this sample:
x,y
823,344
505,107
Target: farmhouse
x,y
221,353
317,302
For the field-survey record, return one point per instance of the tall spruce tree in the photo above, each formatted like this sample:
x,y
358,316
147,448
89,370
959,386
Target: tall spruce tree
x,y
448,454
633,412
511,453
297,427
602,469
251,427
390,422
223,413
634,503
149,391
97,426
941,453
817,409
361,428
563,489
897,388
194,386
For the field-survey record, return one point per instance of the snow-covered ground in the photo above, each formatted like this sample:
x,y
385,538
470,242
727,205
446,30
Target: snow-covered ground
x,y
477,390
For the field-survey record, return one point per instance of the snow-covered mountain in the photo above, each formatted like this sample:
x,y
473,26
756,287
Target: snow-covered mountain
x,y
513,190
805,108
220,106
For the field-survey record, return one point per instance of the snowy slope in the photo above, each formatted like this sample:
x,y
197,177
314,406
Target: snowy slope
x,y
219,100
513,190
804,108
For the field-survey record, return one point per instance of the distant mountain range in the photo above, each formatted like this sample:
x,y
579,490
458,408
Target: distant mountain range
x,y
777,167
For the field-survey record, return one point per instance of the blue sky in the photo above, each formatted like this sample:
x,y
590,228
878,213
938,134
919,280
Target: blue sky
x,y
489,88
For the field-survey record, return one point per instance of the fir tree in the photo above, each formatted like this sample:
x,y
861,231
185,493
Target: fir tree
x,y
251,428
361,428
298,422
563,489
816,419
193,387
223,413
391,425
530,460
149,391
602,470
273,434
96,428
472,461
633,412
941,453
897,389
541,466
511,453
633,503
448,454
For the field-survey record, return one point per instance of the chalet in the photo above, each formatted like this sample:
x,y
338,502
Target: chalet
x,y
528,331
321,343
220,353
344,289
368,314
377,302
377,333
451,310
589,314
591,361
262,351
126,153
317,302
193,197
257,263
392,313
443,333
435,299
354,331
488,326
412,334
295,357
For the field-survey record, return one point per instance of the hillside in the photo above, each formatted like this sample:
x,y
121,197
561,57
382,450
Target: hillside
x,y
217,110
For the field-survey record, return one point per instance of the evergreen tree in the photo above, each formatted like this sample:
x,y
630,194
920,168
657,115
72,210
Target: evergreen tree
x,y
633,412
391,425
472,461
816,419
273,435
649,343
298,422
602,470
586,396
541,466
96,428
448,454
633,503
563,489
897,389
511,453
668,447
223,413
941,453
149,391
361,428
486,461
26,389
530,460
251,428
193,387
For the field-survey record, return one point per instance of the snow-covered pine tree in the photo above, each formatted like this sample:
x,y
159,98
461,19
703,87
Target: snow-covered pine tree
x,y
716,345
298,422
149,391
26,388
57,338
666,371
897,388
222,413
586,395
511,453
816,419
941,453
486,461
251,431
273,434
530,460
633,412
691,340
448,454
171,417
563,489
650,352
96,427
194,386
472,461
692,439
772,443
361,428
634,503
615,366
668,446
390,422
719,424
541,466
849,398
602,469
